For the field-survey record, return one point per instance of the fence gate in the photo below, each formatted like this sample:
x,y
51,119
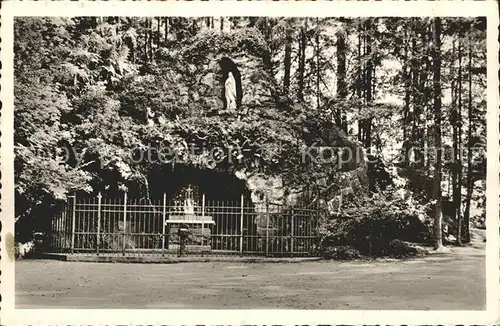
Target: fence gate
x,y
130,226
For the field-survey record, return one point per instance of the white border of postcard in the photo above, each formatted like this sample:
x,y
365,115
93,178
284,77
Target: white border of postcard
x,y
11,9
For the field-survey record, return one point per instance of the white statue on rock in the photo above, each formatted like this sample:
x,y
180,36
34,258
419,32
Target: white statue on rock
x,y
230,86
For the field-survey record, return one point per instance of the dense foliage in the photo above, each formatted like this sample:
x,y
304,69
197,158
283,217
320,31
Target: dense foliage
x,y
369,226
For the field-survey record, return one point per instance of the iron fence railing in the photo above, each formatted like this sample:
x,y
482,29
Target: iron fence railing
x,y
130,226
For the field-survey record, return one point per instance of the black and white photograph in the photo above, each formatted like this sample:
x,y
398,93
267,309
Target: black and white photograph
x,y
250,162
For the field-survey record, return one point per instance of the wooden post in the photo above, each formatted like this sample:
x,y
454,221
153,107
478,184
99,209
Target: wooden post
x,y
267,226
99,198
73,220
241,226
124,245
164,215
291,233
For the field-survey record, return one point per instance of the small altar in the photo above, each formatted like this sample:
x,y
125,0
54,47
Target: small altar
x,y
187,213
189,219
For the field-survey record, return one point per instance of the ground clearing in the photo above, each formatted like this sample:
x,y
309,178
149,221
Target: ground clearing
x,y
454,280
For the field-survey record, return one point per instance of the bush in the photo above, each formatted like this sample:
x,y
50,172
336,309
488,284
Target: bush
x,y
374,226
400,249
340,253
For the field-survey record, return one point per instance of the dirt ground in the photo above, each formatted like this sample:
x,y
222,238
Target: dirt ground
x,y
451,281
454,280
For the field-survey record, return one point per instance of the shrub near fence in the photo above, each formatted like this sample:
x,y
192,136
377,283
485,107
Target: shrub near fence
x,y
373,226
130,226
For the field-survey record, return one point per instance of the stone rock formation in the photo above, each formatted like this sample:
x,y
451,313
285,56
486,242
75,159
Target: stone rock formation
x,y
201,87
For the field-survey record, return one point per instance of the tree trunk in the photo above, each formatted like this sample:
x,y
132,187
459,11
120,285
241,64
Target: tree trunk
x,y
194,26
158,19
340,119
222,24
412,97
416,101
469,183
302,62
458,190
146,40
454,120
358,85
166,30
130,43
318,76
406,112
151,39
438,237
422,130
288,58
368,83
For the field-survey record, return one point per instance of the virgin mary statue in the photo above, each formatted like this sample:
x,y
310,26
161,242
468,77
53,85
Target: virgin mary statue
x,y
230,90
232,84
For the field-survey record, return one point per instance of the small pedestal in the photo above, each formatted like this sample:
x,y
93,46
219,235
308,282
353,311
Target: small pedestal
x,y
199,232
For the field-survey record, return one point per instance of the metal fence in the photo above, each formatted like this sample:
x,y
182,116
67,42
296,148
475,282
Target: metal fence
x,y
129,226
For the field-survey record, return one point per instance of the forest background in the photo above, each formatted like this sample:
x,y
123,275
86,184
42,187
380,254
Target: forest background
x,y
396,85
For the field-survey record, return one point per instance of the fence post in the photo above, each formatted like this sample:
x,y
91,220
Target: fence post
x,y
202,221
241,226
124,245
267,226
164,215
99,197
292,220
317,217
203,205
73,220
